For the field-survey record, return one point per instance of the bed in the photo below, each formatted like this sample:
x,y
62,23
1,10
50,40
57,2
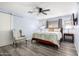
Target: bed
x,y
52,36
49,38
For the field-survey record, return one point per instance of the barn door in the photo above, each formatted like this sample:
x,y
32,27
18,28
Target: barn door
x,y
5,29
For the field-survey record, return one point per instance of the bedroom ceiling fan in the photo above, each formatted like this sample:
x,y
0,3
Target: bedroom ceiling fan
x,y
40,10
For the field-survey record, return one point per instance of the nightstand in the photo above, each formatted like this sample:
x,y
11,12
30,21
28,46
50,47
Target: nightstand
x,y
69,37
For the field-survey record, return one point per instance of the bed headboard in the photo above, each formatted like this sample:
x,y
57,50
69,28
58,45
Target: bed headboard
x,y
54,24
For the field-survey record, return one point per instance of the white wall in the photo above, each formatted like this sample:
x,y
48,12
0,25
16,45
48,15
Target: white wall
x,y
76,41
28,24
5,29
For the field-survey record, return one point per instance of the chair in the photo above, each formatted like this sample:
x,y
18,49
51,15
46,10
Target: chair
x,y
18,37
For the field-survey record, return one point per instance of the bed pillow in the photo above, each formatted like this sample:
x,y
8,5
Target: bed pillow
x,y
57,30
50,30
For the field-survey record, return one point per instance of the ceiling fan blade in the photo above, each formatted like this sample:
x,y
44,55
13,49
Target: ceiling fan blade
x,y
44,13
47,10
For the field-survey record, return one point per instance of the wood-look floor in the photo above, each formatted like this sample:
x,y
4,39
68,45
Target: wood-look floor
x,y
66,49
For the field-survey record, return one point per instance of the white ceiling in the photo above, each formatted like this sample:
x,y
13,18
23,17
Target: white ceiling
x,y
22,8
